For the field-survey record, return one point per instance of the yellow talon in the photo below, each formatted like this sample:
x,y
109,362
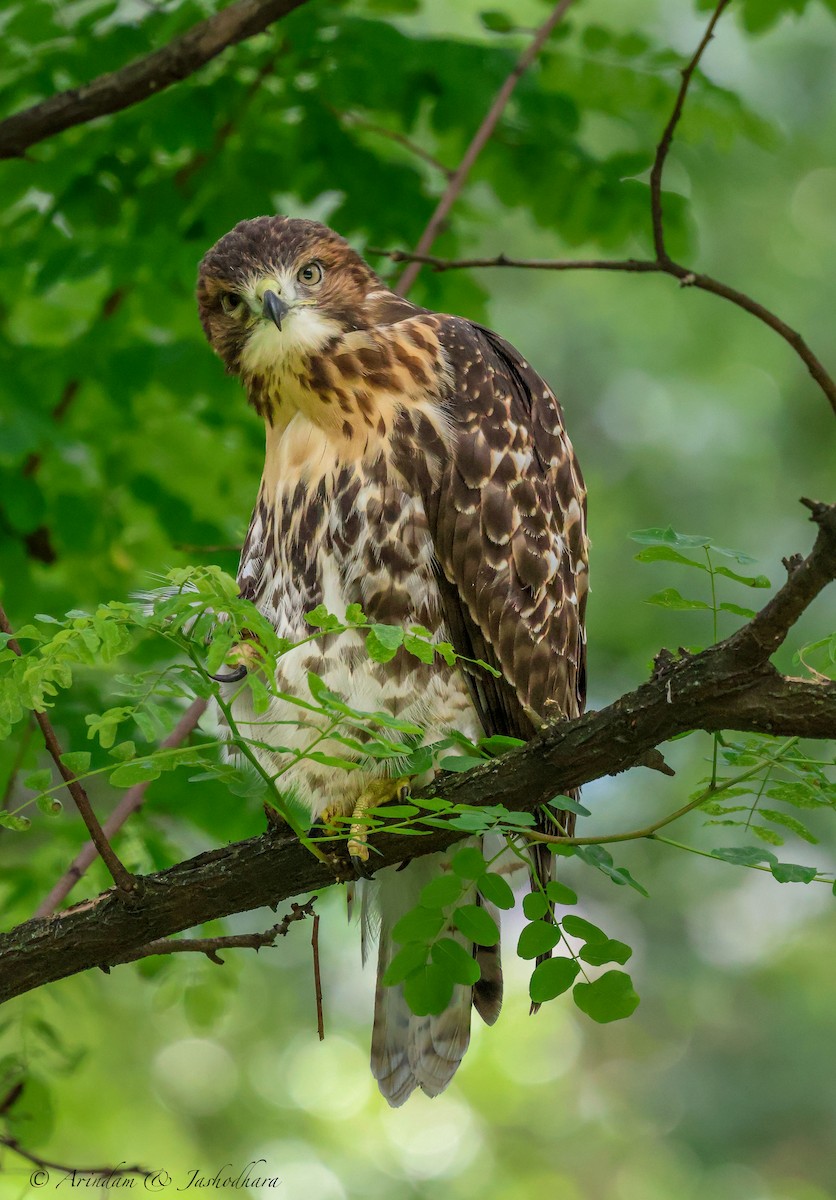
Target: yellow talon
x,y
380,791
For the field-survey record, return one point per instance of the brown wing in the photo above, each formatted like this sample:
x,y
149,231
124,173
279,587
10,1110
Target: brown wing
x,y
508,521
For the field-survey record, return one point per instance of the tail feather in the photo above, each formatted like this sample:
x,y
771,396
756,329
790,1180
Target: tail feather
x,y
487,991
410,1051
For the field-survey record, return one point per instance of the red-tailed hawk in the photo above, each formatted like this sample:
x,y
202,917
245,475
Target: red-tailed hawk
x,y
416,465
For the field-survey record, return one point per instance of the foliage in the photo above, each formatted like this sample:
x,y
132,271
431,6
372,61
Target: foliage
x,y
123,452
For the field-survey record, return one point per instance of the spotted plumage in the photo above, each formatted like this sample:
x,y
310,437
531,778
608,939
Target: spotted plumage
x,y
417,465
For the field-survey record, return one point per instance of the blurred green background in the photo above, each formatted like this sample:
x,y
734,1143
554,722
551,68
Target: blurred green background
x,y
125,450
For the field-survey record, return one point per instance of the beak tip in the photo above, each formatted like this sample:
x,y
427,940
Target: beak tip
x,y
274,308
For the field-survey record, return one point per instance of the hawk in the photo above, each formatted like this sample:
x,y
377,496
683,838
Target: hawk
x,y
418,466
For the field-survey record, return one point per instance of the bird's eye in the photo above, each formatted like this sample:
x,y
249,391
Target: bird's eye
x,y
312,274
232,303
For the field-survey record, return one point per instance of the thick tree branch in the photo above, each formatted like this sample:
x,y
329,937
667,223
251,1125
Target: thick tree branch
x,y
731,685
478,143
118,872
142,78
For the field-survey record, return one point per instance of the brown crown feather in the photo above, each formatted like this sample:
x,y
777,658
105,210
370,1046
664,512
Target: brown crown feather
x,y
266,244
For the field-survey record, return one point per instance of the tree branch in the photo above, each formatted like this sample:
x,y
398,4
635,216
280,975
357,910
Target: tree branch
x,y
661,264
477,144
130,803
731,685
668,132
143,77
211,945
119,873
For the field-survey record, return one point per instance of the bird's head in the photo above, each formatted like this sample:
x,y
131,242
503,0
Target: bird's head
x,y
276,288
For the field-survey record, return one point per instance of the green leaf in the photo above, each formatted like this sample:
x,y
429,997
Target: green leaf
x,y
496,22
419,925
77,761
468,862
50,805
579,928
38,781
610,950
499,743
408,959
535,905
668,537
670,598
567,804
354,615
793,873
609,998
559,893
140,771
476,924
795,826
10,821
597,856
383,642
440,892
321,618
418,648
428,990
496,888
460,762
551,978
744,856
752,581
455,961
737,609
667,554
537,938
123,751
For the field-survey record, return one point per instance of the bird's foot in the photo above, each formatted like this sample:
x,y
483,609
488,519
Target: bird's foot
x,y
380,791
243,657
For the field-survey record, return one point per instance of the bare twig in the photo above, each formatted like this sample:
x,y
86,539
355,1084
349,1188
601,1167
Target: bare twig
x,y
392,135
480,138
211,945
123,879
662,264
130,803
668,132
227,129
68,1171
649,266
143,77
731,685
320,1023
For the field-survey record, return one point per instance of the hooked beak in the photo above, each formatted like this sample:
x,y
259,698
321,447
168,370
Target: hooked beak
x,y
274,308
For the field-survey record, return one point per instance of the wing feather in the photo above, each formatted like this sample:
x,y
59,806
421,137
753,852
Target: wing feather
x,y
509,529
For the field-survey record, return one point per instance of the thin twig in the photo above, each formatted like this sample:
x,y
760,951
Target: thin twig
x,y
143,77
123,879
130,803
662,264
69,1172
668,132
480,138
227,129
400,139
211,945
641,266
320,1023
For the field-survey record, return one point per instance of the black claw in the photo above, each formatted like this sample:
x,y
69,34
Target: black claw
x,y
361,868
237,675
